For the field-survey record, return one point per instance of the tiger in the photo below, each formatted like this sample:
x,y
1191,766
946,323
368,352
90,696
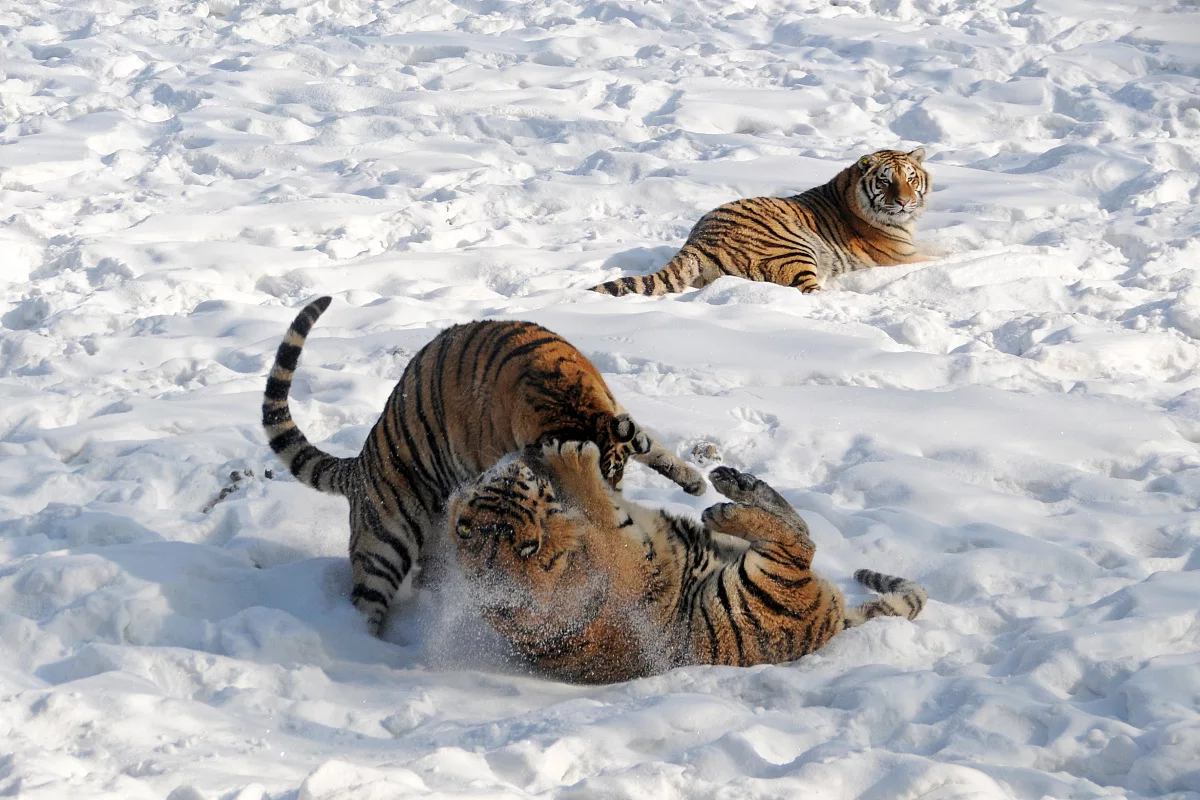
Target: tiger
x,y
476,392
864,217
587,586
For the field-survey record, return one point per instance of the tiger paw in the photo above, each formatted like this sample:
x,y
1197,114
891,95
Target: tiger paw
x,y
577,456
628,433
717,515
740,486
690,480
625,438
740,520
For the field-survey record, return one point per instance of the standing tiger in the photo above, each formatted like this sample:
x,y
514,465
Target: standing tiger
x,y
862,218
587,586
473,394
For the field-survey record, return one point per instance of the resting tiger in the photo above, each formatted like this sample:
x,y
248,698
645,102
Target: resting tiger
x,y
473,394
862,218
590,587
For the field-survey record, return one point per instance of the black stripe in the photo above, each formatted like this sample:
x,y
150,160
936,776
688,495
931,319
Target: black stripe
x,y
286,439
757,221
762,595
791,583
799,277
760,633
525,349
465,347
498,348
377,529
383,564
435,435
322,466
277,389
438,399
723,599
713,647
301,459
420,470
712,258
501,509
303,322
288,356
808,635
305,319
788,559
374,571
275,416
482,337
363,592
409,484
666,276
829,227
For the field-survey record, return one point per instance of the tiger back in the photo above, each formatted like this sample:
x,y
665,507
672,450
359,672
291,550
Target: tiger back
x,y
475,393
863,217
588,586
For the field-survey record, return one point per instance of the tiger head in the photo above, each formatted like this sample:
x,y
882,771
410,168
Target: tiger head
x,y
892,186
524,553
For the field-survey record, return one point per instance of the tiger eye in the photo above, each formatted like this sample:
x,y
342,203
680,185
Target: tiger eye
x,y
463,529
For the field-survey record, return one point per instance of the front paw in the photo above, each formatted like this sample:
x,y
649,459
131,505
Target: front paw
x,y
691,481
628,433
625,438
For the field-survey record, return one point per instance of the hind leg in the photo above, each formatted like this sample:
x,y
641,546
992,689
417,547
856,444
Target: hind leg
x,y
382,553
629,440
760,515
760,527
794,272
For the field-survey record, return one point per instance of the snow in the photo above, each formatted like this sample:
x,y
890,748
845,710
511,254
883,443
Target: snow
x,y
1015,425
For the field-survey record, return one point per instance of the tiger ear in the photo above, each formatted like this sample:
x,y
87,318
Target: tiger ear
x,y
866,161
917,155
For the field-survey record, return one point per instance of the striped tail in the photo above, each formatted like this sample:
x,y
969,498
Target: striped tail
x,y
681,272
310,466
900,598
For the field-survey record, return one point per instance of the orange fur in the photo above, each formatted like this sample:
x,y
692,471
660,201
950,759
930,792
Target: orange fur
x,y
862,218
590,587
473,394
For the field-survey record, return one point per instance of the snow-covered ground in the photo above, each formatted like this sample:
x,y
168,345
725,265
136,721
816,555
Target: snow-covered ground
x,y
1014,425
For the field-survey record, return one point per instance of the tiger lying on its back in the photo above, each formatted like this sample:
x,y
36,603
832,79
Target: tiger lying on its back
x,y
862,218
473,394
590,587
